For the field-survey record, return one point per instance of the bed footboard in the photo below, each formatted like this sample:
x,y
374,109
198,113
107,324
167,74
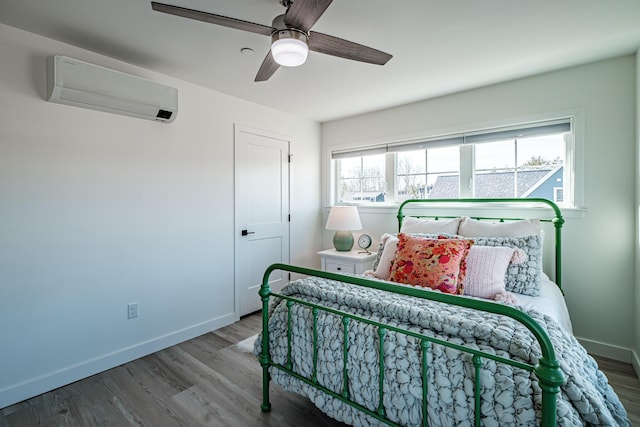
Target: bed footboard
x,y
547,370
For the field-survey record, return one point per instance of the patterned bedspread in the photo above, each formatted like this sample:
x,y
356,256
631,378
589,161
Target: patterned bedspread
x,y
510,396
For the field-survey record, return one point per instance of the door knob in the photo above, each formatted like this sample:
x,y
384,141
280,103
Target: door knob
x,y
246,233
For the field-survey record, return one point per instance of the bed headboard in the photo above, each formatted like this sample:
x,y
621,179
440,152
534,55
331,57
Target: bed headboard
x,y
545,210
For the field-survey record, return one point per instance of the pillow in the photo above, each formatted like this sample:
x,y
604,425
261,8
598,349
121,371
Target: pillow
x,y
486,269
521,278
379,253
470,227
420,225
430,263
389,244
382,272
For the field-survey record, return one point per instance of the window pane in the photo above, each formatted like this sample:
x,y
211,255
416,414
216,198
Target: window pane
x,y
541,150
443,172
411,162
362,179
527,167
411,187
495,155
351,168
411,168
373,165
443,159
542,156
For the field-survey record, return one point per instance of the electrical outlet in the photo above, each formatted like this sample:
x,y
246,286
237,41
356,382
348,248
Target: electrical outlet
x,y
132,310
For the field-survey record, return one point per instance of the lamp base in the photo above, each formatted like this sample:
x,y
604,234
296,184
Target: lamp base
x,y
343,241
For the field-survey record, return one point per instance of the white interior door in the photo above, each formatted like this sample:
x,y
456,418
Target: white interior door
x,y
262,212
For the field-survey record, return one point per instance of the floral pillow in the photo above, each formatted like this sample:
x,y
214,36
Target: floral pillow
x,y
387,251
431,263
382,272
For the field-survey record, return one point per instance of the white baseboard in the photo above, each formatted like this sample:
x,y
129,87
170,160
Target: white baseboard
x,y
614,352
635,362
610,351
50,381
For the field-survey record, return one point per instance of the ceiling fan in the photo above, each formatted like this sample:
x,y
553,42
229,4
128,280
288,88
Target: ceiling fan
x,y
291,38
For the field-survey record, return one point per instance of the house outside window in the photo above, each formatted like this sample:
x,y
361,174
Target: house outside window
x,y
530,161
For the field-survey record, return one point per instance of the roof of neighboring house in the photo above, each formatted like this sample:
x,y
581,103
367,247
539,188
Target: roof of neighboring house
x,y
492,184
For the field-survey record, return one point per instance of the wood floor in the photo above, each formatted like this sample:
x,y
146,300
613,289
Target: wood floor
x,y
206,381
624,381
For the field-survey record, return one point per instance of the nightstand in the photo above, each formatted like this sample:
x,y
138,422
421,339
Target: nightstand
x,y
346,261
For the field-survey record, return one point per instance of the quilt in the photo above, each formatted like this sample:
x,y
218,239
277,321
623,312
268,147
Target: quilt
x,y
510,395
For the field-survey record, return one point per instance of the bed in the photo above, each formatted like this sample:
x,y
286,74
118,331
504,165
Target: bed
x,y
447,332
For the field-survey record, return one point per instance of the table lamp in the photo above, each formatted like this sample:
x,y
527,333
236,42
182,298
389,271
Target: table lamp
x,y
343,219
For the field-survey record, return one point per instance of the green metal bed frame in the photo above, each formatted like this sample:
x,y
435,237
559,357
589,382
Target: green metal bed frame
x,y
548,371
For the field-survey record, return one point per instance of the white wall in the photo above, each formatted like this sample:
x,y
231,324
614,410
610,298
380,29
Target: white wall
x,y
99,210
636,359
599,244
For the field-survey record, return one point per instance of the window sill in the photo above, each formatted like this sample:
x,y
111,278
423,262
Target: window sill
x,y
387,208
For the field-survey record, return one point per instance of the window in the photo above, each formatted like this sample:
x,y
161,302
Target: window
x,y
519,167
519,162
419,171
362,179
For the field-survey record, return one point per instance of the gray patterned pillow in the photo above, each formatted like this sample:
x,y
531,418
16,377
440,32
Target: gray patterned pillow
x,y
520,278
378,256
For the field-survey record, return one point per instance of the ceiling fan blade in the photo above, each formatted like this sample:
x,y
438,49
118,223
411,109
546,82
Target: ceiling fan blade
x,y
335,46
302,14
212,18
268,67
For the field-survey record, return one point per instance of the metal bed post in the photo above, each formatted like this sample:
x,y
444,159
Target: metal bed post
x,y
558,221
265,358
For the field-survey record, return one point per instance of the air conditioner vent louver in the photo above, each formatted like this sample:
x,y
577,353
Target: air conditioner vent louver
x,y
74,82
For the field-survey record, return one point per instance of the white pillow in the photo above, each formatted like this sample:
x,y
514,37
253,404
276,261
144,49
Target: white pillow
x,y
486,269
470,227
390,243
420,225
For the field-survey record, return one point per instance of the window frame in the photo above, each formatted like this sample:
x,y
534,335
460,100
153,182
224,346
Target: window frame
x,y
573,159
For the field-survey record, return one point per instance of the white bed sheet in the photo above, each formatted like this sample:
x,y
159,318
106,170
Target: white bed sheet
x,y
551,302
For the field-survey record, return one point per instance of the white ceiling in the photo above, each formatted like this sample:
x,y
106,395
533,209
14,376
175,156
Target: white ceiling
x,y
438,46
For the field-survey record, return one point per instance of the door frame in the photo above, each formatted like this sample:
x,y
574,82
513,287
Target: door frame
x,y
237,225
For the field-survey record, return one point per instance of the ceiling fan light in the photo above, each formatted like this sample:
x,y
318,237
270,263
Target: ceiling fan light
x,y
289,47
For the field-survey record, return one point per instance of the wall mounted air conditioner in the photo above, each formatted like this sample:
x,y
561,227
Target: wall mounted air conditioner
x,y
74,82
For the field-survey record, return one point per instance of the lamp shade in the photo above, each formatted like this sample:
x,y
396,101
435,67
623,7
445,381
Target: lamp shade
x,y
289,47
345,218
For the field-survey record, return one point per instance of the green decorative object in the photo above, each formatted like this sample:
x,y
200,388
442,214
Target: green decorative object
x,y
343,241
343,219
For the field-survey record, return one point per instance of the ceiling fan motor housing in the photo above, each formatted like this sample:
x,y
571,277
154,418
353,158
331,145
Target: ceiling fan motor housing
x,y
289,47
